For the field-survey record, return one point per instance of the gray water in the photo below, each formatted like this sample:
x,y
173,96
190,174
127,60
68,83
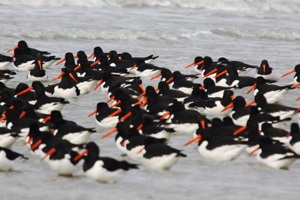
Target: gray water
x,y
177,31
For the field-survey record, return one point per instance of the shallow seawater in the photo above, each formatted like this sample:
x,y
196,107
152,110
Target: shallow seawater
x,y
177,32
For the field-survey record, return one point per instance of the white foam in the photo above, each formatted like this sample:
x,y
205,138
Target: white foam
x,y
290,6
259,33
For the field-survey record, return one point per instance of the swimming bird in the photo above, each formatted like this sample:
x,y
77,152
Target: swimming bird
x,y
7,158
102,169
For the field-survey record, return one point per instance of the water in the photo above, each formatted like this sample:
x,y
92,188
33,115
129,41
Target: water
x,y
177,31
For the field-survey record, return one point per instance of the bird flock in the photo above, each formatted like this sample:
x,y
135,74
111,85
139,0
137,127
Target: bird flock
x,y
143,118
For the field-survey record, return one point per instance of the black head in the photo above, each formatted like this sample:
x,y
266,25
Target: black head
x,y
126,56
98,50
163,86
295,129
198,59
239,102
260,100
208,83
22,45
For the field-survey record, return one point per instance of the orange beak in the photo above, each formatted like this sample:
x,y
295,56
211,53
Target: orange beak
x,y
61,61
40,63
189,65
72,77
134,66
46,119
142,88
79,156
126,116
288,73
36,145
141,150
170,80
109,133
201,87
111,98
264,68
29,141
250,103
12,49
59,76
98,84
23,113
221,73
296,85
254,150
202,123
195,139
139,127
49,153
200,63
156,76
166,114
238,131
90,56
228,107
3,118
116,104
95,63
211,72
77,68
24,91
252,88
92,113
115,113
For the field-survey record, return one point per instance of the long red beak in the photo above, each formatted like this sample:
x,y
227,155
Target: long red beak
x,y
156,76
23,113
90,56
238,131
221,73
250,103
288,73
190,65
126,116
98,84
228,107
49,153
95,63
60,61
166,114
252,88
109,133
36,145
254,150
264,68
73,77
115,113
40,63
59,76
210,73
46,119
79,156
170,80
195,139
24,91
92,113
12,49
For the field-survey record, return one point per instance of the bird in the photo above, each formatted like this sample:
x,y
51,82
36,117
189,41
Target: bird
x,y
7,158
103,169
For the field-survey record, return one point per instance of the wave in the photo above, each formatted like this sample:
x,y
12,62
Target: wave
x,y
290,6
263,34
120,34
